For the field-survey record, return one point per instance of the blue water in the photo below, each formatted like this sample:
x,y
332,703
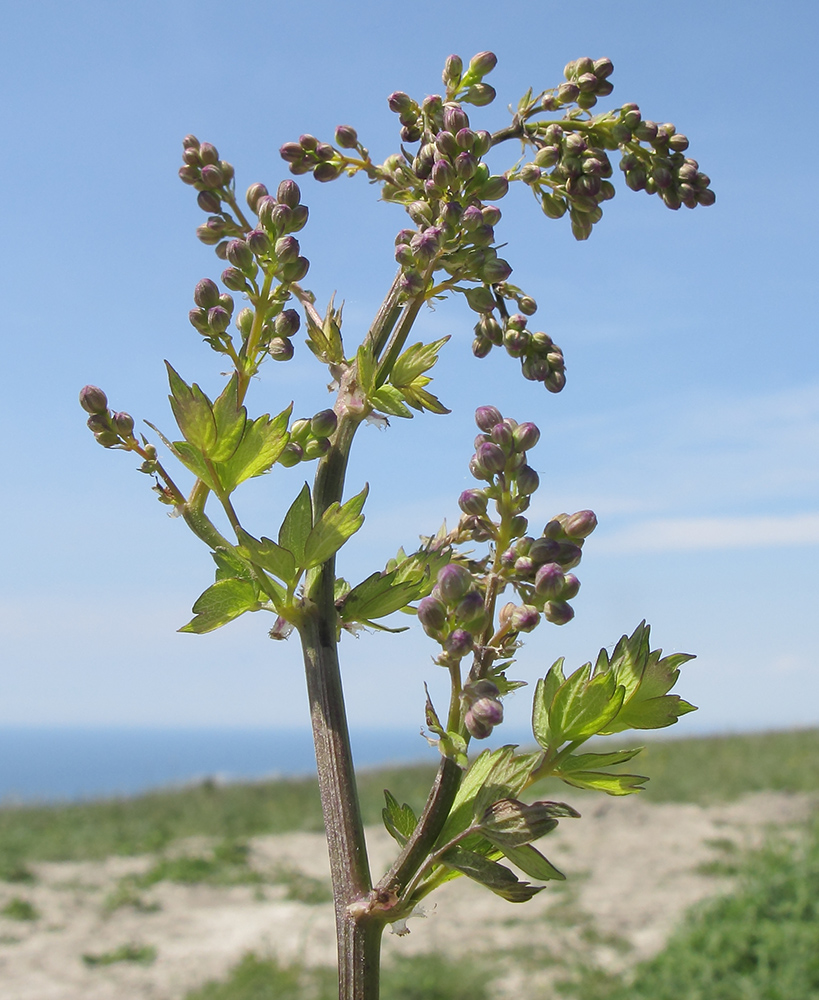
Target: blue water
x,y
64,764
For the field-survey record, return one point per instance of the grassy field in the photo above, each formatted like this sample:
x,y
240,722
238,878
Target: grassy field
x,y
708,769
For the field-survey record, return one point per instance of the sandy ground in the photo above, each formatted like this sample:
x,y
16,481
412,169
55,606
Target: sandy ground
x,y
632,871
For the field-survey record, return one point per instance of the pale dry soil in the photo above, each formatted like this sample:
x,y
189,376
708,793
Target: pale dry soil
x,y
632,871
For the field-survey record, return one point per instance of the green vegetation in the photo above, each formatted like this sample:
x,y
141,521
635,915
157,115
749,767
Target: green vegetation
x,y
141,954
423,977
758,944
685,770
19,909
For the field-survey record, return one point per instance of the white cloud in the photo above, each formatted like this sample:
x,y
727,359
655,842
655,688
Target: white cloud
x,y
691,534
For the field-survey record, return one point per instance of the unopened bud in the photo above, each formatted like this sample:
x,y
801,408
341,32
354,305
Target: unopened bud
x,y
453,582
287,323
295,270
291,455
124,424
524,618
346,137
470,608
488,710
459,643
549,580
475,727
280,349
324,423
482,63
473,502
558,612
288,193
581,524
209,201
453,70
490,458
487,416
206,293
431,615
93,399
527,479
233,279
240,255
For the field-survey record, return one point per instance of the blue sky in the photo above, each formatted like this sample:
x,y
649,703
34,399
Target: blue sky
x,y
690,421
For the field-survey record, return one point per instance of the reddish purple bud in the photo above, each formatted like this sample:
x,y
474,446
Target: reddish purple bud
x,y
400,103
324,423
240,255
524,618
124,424
570,587
295,270
431,615
212,176
581,524
455,119
487,416
254,194
487,710
292,455
528,480
346,137
453,582
526,436
208,201
459,643
544,550
558,612
93,399
280,349
475,727
491,458
218,319
482,63
473,502
568,554
470,608
549,580
525,567
206,293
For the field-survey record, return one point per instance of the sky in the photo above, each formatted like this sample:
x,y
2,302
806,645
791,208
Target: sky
x,y
690,421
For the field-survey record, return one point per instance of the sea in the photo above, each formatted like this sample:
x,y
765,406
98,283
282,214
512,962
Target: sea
x,y
70,764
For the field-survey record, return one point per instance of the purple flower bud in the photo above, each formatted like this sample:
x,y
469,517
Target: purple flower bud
x,y
459,643
571,587
569,554
410,133
254,193
199,319
287,249
212,176
465,165
482,63
280,349
470,608
488,710
244,322
324,423
404,255
549,580
190,142
420,213
292,455
296,269
346,137
481,347
240,255
258,241
525,567
516,342
233,279
93,399
431,615
558,612
524,618
316,447
206,293
412,283
544,550
567,93
472,502
108,439
528,480
425,245
472,218
495,270
487,416
208,235
99,422
491,458
208,152
400,103
288,193
581,524
443,174
477,729
501,435
494,188
326,172
518,526
124,424
446,145
465,139
555,381
218,319
453,70
509,558
189,174
208,201
455,118
453,582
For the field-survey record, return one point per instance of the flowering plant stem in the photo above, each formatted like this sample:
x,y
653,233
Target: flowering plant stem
x,y
474,816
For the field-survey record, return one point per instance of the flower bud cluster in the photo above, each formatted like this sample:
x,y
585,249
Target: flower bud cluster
x,y
322,160
541,360
538,567
213,179
111,430
453,614
213,313
499,460
484,709
660,166
586,80
309,438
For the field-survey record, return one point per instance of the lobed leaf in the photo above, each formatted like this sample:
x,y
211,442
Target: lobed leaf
x,y
225,600
336,525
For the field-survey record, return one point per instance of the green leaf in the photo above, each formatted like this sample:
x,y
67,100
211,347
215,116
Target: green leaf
x,y
230,420
221,603
263,440
415,361
192,411
271,557
337,524
400,821
530,860
389,400
496,877
297,525
366,368
510,823
612,784
415,395
377,596
545,693
229,565
194,460
587,761
584,706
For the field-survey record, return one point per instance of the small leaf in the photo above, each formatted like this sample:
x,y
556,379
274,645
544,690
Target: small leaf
x,y
400,821
263,440
584,706
366,368
221,603
587,761
297,525
229,565
230,419
415,360
389,400
271,557
530,860
612,784
192,411
496,877
510,823
194,460
337,524
377,596
545,693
